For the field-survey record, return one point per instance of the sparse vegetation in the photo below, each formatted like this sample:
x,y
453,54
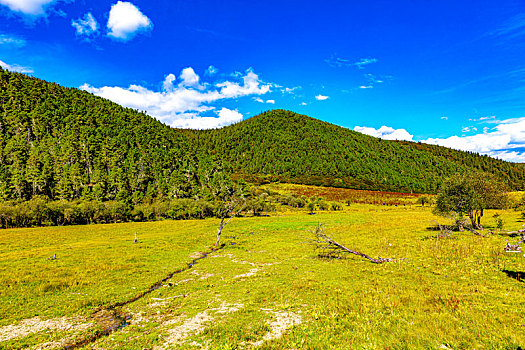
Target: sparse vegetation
x,y
446,290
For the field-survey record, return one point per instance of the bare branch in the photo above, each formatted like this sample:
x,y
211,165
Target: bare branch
x,y
331,249
514,248
474,231
230,207
444,231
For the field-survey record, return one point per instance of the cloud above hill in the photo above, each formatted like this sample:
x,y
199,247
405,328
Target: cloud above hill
x,y
16,68
503,139
386,133
126,21
186,102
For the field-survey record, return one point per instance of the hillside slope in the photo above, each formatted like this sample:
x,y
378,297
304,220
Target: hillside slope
x,y
66,144
296,148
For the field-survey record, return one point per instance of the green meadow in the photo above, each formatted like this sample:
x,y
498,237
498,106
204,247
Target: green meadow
x,y
266,288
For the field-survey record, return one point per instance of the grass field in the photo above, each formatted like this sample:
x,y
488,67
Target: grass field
x,y
266,288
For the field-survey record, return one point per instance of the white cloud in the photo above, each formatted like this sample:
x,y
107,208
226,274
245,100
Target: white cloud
x,y
16,68
260,100
194,121
321,97
211,71
303,103
28,7
502,142
86,25
338,62
11,41
386,133
444,118
251,86
167,85
190,78
505,141
364,62
366,87
182,105
291,91
483,119
126,20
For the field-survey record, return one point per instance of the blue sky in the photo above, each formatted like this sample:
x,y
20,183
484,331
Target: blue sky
x,y
443,72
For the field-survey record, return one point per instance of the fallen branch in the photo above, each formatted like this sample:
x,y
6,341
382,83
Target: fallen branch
x,y
514,248
445,231
332,249
475,232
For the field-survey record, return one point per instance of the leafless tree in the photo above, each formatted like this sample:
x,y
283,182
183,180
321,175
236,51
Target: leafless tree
x,y
233,207
328,248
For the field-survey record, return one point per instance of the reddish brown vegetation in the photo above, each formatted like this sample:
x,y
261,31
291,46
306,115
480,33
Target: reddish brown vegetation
x,y
354,196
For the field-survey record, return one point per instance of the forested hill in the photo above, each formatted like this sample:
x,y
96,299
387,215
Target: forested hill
x,y
300,149
65,143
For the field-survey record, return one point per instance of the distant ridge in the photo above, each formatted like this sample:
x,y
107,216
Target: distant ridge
x,y
295,148
65,143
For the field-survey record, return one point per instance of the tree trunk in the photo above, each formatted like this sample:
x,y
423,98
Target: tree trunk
x,y
479,219
219,231
472,218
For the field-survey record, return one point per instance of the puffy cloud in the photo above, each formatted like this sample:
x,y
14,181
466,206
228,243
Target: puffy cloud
x,y
270,102
502,142
16,68
321,97
444,118
480,143
385,132
251,86
126,20
86,25
167,85
28,7
182,105
506,140
189,78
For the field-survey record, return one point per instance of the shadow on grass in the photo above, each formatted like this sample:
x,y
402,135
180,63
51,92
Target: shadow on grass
x,y
517,275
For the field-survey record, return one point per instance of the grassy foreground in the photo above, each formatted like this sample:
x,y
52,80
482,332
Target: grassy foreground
x,y
267,289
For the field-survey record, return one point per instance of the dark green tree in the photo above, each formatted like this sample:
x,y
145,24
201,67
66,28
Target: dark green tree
x,y
470,195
